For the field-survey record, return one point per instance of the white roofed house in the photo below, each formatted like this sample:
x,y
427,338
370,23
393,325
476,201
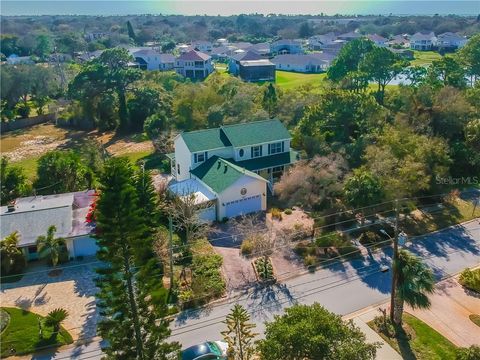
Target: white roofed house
x,y
202,45
232,167
32,216
450,41
304,63
423,41
320,42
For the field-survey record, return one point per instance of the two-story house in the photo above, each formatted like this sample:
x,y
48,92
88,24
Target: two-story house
x,y
423,41
150,59
450,41
194,65
231,168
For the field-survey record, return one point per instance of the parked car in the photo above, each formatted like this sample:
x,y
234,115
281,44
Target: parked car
x,y
208,350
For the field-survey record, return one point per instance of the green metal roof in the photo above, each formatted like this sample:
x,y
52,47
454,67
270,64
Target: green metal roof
x,y
218,174
203,140
256,132
270,161
238,135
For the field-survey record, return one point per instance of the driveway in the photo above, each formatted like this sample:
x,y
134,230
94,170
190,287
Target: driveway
x,y
451,306
72,290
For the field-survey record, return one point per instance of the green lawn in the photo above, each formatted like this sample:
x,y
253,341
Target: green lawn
x,y
424,58
421,343
289,80
22,334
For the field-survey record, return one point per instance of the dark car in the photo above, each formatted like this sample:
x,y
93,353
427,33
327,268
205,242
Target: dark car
x,y
206,351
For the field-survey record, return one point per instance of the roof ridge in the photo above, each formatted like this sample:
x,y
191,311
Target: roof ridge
x,y
237,168
247,123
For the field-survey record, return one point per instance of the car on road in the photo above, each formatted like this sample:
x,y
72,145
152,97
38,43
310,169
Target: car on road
x,y
208,350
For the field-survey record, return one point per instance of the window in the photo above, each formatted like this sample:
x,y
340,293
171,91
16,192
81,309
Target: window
x,y
200,157
178,169
275,148
241,153
256,151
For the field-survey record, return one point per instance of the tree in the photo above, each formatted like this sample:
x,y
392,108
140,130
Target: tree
x,y
469,56
60,172
55,318
11,257
349,58
239,335
470,353
185,211
109,72
13,182
270,100
414,282
131,32
43,47
311,333
472,134
131,296
305,30
446,72
51,246
70,43
146,102
381,65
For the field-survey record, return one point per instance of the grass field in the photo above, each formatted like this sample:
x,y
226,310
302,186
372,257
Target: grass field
x,y
424,58
290,80
22,334
421,343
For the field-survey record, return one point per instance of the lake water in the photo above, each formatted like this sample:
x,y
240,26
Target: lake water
x,y
231,7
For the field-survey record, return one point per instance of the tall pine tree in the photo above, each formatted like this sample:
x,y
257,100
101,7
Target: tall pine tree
x,y
131,296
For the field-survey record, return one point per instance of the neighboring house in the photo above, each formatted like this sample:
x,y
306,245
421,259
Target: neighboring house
x,y
241,55
352,35
399,41
450,41
286,46
194,65
320,42
19,60
95,36
377,40
202,45
183,48
32,216
257,70
261,48
423,41
149,59
89,55
304,63
231,167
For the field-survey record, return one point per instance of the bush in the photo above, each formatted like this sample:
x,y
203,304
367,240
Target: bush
x,y
369,238
470,279
310,260
471,353
276,214
384,325
348,251
305,248
264,268
335,239
207,280
23,111
247,247
288,211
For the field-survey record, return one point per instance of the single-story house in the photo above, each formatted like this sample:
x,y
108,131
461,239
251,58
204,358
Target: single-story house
x,y
286,46
377,40
319,42
304,63
32,216
349,36
230,169
256,70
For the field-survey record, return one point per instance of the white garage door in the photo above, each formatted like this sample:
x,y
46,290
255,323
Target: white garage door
x,y
243,206
85,246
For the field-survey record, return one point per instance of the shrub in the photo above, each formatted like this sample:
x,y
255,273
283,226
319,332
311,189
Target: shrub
x,y
305,248
288,211
470,279
310,260
369,238
207,280
471,353
247,247
276,214
264,268
384,325
348,251
23,111
334,239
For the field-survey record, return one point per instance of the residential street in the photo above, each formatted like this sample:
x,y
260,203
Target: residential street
x,y
343,288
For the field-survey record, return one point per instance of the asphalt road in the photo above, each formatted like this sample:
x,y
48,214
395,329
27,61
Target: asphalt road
x,y
342,288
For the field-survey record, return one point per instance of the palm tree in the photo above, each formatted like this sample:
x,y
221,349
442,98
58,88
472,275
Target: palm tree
x,y
10,253
52,245
55,318
415,281
239,335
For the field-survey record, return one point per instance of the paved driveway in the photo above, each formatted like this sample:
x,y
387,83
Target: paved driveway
x,y
451,306
73,290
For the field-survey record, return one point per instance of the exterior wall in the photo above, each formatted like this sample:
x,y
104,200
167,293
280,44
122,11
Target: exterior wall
x,y
253,186
188,69
257,73
226,153
247,152
75,248
183,157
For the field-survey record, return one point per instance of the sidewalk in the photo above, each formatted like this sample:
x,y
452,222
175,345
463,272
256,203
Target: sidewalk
x,y
385,352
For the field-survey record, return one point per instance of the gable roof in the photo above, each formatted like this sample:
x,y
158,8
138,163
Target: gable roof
x,y
194,55
376,37
423,36
218,174
255,132
247,55
302,59
208,139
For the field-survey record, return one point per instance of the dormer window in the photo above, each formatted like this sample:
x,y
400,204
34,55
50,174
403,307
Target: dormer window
x,y
256,151
200,157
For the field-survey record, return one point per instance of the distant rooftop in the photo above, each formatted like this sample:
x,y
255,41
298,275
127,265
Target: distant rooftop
x,y
194,55
262,62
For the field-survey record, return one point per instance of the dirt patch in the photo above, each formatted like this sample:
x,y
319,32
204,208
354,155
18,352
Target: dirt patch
x,y
297,219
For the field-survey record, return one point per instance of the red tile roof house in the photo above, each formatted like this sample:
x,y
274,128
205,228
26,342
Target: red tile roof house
x,y
194,65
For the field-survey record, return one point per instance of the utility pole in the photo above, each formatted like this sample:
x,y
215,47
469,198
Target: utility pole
x,y
394,262
170,252
475,206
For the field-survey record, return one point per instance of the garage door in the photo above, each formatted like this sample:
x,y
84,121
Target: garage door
x,y
85,246
209,214
243,206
